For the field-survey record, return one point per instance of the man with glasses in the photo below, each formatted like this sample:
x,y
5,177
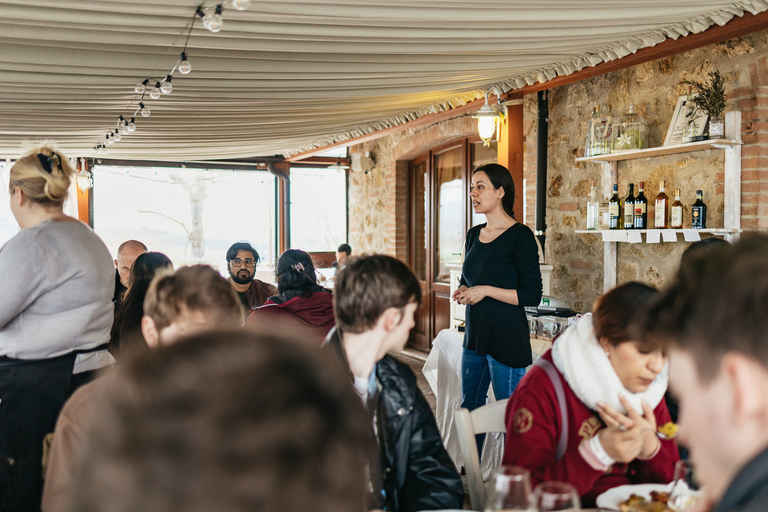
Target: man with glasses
x,y
242,260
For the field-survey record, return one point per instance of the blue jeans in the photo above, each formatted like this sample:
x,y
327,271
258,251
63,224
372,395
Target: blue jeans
x,y
478,372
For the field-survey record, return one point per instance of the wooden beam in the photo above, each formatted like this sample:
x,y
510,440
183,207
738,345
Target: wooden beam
x,y
511,140
283,208
737,27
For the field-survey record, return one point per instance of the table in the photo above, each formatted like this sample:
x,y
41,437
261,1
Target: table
x,y
443,373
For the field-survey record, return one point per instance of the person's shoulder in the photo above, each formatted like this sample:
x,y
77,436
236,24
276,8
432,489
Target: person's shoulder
x,y
394,373
475,230
80,404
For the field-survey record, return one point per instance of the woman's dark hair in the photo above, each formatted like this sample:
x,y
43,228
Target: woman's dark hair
x,y
501,178
126,331
295,270
614,312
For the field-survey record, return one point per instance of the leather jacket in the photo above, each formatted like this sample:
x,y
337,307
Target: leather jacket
x,y
418,473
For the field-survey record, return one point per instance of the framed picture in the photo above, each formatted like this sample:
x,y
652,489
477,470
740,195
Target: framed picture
x,y
685,113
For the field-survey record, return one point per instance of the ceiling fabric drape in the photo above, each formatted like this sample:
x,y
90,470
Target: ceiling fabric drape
x,y
288,76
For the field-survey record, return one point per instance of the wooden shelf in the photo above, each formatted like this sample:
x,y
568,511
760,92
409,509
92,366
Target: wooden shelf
x,y
714,231
631,154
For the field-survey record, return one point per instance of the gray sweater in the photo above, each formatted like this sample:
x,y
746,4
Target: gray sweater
x,y
56,286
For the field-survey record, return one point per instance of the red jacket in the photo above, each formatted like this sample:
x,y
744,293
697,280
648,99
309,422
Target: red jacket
x,y
533,431
314,312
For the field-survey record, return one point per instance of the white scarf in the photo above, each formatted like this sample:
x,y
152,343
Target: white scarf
x,y
581,360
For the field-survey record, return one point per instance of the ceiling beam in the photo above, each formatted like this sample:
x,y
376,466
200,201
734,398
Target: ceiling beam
x,y
737,27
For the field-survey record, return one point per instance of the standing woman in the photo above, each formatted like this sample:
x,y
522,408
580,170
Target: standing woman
x,y
56,286
500,276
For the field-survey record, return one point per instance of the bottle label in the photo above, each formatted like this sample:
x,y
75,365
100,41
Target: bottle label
x,y
629,214
640,208
613,210
661,209
677,216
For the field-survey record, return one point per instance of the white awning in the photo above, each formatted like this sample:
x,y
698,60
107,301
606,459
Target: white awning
x,y
288,76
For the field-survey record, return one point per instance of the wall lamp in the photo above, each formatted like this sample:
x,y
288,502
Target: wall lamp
x,y
488,117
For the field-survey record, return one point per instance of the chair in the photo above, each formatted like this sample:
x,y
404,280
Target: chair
x,y
489,418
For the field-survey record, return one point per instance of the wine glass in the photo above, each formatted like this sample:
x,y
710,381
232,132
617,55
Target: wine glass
x,y
685,489
509,489
556,496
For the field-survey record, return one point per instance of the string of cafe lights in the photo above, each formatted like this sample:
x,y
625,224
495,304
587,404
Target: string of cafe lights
x,y
212,20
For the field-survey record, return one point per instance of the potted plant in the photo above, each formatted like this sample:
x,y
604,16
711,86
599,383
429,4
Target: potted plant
x,y
710,98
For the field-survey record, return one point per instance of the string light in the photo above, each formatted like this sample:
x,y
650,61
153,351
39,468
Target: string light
x,y
213,21
166,86
184,66
140,88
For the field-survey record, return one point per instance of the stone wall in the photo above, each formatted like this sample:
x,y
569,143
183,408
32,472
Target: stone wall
x,y
653,88
378,199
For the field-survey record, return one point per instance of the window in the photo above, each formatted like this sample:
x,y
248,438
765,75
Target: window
x,y
191,215
318,209
8,225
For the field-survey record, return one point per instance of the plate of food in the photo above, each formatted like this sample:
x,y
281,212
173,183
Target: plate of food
x,y
625,498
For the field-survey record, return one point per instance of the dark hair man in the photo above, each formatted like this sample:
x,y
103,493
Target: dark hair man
x,y
126,255
180,303
714,319
242,260
342,253
375,300
233,421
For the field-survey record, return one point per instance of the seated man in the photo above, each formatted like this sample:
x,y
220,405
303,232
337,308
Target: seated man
x,y
242,260
342,253
230,421
190,300
714,319
375,301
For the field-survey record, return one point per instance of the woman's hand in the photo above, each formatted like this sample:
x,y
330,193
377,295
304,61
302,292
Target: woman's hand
x,y
630,436
470,295
458,293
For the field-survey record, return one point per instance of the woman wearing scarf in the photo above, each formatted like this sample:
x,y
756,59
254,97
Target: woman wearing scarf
x,y
588,411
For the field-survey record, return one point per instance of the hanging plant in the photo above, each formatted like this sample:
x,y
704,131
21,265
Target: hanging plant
x,y
710,96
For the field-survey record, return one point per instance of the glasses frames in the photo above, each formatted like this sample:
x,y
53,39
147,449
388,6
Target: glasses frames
x,y
237,262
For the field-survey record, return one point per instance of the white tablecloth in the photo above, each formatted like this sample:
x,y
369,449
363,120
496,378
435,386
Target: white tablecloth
x,y
443,373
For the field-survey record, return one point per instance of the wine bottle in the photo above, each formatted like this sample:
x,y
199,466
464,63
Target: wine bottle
x,y
614,209
676,222
662,212
699,212
629,208
593,209
641,208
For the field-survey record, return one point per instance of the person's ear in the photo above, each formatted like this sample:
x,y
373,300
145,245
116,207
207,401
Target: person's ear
x,y
18,196
605,344
390,319
150,332
746,380
116,266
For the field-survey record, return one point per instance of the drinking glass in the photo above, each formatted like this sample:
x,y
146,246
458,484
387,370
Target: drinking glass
x,y
556,496
509,489
685,489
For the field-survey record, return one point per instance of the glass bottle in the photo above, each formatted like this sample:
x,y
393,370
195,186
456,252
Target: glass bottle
x,y
590,134
595,129
676,220
593,209
629,208
662,210
699,212
631,131
641,208
614,209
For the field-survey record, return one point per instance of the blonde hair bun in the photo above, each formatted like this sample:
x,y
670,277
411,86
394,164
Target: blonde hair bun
x,y
43,174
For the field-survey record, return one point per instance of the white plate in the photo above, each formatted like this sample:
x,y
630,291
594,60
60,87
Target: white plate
x,y
613,497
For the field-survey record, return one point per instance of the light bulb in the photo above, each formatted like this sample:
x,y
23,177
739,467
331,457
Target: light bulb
x,y
140,88
214,23
125,130
132,125
109,140
241,5
485,127
166,86
155,93
117,137
184,66
144,110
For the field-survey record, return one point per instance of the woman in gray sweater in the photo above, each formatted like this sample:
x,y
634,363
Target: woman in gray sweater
x,y
56,285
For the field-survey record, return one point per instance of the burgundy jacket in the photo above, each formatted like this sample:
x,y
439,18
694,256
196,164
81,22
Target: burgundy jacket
x,y
314,312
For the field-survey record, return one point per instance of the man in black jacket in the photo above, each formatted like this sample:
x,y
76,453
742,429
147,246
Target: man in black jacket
x,y
714,319
375,300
